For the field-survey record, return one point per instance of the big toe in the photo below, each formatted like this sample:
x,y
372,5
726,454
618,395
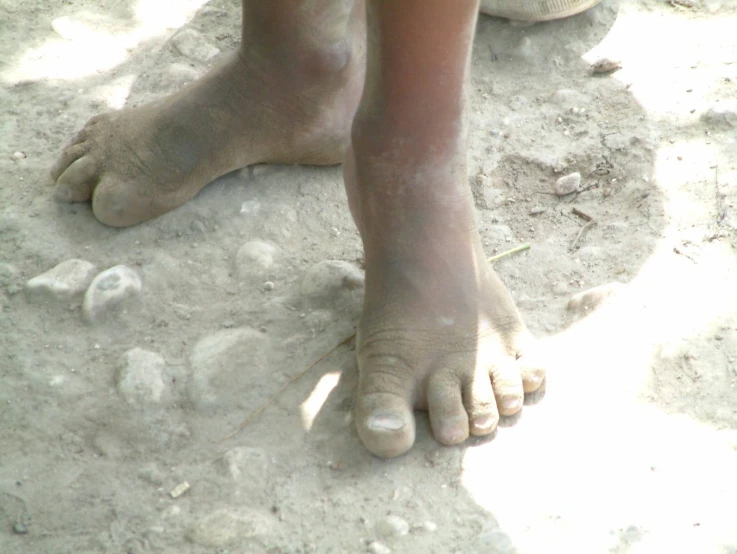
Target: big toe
x,y
77,180
384,415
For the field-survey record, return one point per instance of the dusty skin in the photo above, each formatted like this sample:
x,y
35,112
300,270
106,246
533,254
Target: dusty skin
x,y
138,164
632,449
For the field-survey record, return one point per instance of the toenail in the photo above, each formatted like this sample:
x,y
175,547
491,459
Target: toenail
x,y
484,422
511,404
534,379
385,422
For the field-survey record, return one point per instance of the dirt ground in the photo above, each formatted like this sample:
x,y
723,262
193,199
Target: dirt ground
x,y
633,448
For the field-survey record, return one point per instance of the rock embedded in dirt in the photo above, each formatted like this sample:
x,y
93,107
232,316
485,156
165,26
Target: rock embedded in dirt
x,y
425,527
584,302
228,525
605,66
244,462
568,99
328,282
377,547
192,44
17,156
722,115
253,258
109,290
219,362
567,184
392,526
139,377
62,283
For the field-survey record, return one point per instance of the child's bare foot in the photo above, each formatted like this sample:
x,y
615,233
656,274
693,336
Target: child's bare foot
x,y
255,107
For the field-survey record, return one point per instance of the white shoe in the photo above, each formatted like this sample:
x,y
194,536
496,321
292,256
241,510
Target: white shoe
x,y
535,10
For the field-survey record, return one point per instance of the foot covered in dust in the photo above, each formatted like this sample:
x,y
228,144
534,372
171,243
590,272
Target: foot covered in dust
x,y
439,331
141,162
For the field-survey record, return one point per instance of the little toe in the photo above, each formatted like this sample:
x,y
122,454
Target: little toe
x,y
384,415
507,384
478,397
448,416
68,156
77,181
533,371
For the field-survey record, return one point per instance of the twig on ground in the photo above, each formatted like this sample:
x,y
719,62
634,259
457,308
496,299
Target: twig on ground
x,y
278,393
580,234
582,215
514,250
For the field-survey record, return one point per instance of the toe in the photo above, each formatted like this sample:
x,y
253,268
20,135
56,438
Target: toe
x,y
448,415
77,181
384,417
68,156
478,397
530,361
507,384
532,369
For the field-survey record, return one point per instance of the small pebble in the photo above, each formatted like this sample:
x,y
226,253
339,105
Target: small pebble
x,y
537,210
16,156
108,290
62,283
568,184
392,526
244,463
604,66
255,256
192,44
179,490
269,286
425,527
20,528
139,377
377,547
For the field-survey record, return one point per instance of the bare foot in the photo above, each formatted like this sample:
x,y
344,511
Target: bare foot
x,y
139,163
439,330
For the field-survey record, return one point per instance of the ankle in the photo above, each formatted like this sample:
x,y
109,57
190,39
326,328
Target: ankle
x,y
300,45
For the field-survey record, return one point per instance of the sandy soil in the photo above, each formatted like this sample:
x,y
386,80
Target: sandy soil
x,y
632,449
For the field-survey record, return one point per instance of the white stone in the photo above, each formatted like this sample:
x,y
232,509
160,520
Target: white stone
x,y
584,302
222,365
139,377
110,289
228,525
243,462
17,156
377,547
63,283
254,257
392,526
568,184
328,280
193,45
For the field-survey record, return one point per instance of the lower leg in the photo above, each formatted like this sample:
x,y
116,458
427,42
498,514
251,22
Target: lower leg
x,y
439,330
287,96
